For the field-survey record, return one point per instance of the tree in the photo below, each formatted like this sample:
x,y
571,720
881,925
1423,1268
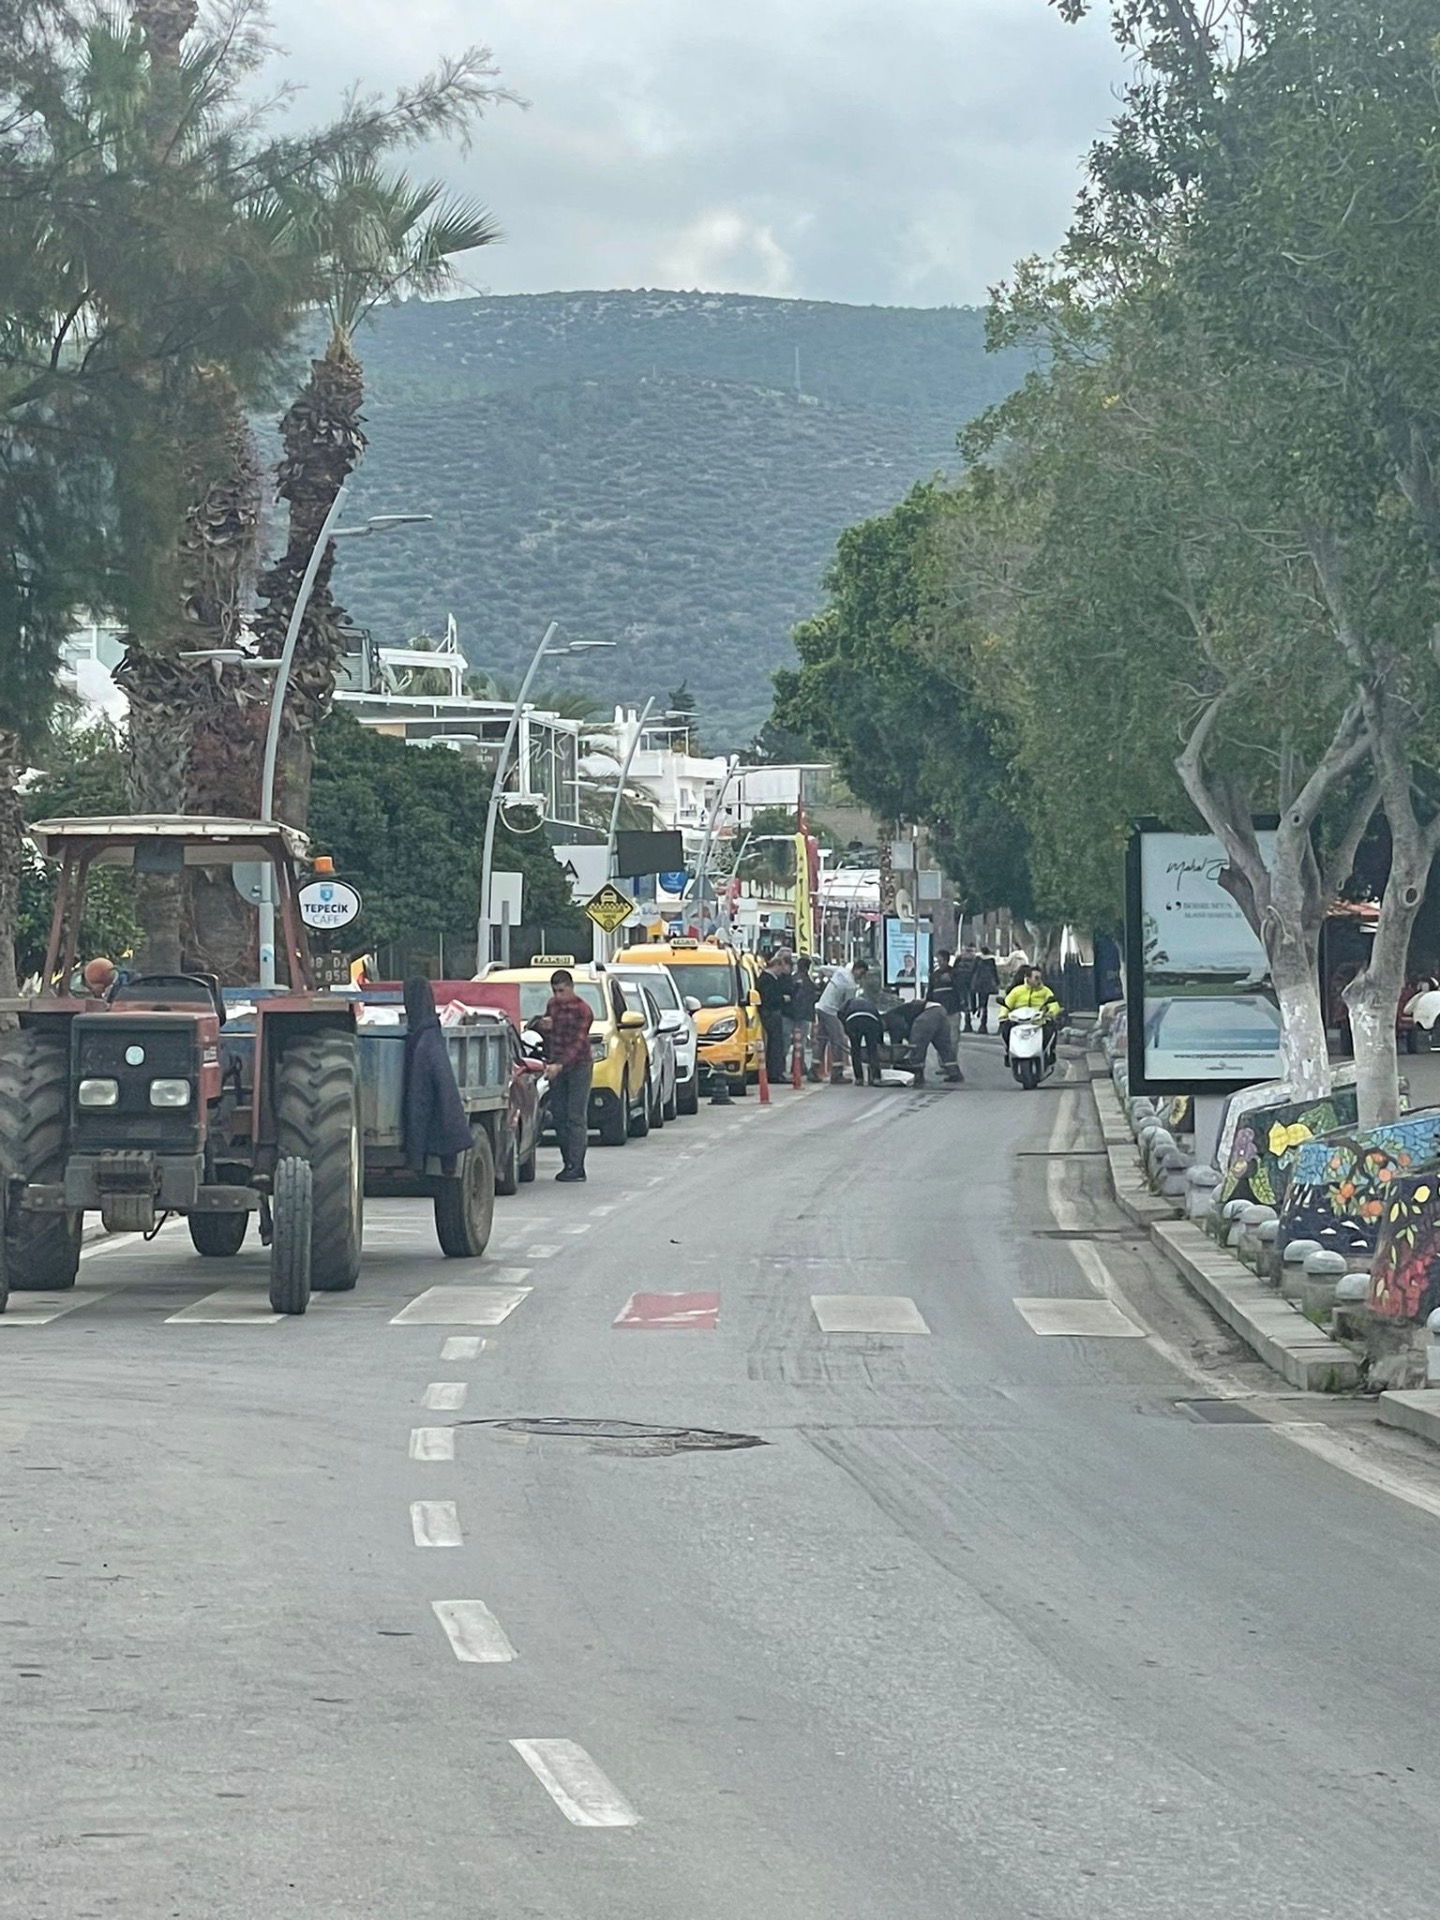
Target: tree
x,y
406,825
376,236
1288,152
911,736
82,771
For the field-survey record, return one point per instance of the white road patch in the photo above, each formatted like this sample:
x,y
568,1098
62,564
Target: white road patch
x,y
599,1211
231,1307
475,1635
1080,1319
576,1784
444,1396
582,1226
464,1306
432,1443
882,1110
39,1309
867,1313
463,1346
435,1523
541,1253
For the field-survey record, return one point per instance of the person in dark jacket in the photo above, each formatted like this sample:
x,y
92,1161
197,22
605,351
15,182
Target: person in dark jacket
x,y
931,1028
862,1029
800,1017
774,985
434,1118
962,980
984,983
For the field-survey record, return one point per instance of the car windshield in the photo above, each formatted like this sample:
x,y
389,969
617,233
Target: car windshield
x,y
711,986
535,997
662,987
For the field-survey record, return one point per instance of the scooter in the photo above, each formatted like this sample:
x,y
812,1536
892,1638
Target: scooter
x,y
1029,1061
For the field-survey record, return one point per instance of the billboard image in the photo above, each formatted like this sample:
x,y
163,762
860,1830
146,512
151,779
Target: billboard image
x,y
1202,1015
904,967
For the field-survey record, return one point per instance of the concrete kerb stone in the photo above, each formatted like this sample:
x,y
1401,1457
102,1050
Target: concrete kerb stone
x,y
1283,1338
1414,1410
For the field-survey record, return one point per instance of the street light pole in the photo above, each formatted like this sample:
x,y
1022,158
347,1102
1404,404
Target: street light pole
x,y
379,523
702,874
497,789
610,841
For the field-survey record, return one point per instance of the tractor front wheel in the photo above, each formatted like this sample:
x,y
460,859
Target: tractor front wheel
x,y
317,1119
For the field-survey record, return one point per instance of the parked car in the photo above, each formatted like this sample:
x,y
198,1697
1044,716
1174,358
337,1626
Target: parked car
x,y
727,1021
659,1046
677,1018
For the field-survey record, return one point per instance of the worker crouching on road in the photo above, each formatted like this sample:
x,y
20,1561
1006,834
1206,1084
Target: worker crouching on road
x,y
840,989
863,1027
931,1028
565,1024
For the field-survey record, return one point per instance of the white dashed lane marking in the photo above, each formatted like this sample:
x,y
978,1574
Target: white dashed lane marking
x,y
867,1313
463,1346
39,1309
466,1306
435,1523
432,1443
475,1635
540,1253
444,1396
582,1227
1082,1319
231,1307
576,1784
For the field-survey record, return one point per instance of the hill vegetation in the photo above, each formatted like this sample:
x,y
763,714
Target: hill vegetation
x,y
645,468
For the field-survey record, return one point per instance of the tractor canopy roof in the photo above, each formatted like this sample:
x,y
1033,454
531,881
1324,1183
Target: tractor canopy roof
x,y
112,839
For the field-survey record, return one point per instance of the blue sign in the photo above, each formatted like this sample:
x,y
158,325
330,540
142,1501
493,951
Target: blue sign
x,y
674,882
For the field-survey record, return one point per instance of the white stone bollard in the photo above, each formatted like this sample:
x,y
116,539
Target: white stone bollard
x,y
1250,1220
1432,1350
1201,1186
1292,1266
1267,1260
1322,1274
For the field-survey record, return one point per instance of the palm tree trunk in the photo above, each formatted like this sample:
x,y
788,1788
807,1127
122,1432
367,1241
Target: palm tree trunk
x,y
324,440
12,832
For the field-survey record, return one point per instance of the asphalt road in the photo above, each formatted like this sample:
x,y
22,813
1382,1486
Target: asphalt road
x,y
990,1625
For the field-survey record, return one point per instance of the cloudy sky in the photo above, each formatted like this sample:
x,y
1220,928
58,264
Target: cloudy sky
x,y
903,152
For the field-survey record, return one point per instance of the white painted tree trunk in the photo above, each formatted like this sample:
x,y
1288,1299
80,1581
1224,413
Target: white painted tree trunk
x,y
1303,1045
1373,996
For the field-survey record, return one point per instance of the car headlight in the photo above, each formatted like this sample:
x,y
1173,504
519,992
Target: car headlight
x,y
722,1029
599,1049
169,1093
98,1093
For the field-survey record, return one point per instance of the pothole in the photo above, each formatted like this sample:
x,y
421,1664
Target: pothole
x,y
634,1438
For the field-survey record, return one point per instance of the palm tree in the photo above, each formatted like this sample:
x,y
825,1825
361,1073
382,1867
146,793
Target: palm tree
x,y
379,236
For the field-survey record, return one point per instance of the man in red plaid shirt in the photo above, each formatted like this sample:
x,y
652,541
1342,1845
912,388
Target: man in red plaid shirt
x,y
565,1024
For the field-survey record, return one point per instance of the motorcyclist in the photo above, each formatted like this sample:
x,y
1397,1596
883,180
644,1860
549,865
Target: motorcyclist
x,y
1030,991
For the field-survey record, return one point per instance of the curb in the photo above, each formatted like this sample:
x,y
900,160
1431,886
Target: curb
x,y
1416,1411
1273,1330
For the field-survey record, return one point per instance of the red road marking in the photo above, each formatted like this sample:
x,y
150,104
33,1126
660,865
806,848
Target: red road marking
x,y
698,1310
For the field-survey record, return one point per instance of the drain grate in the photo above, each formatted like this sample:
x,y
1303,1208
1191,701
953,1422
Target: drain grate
x,y
635,1437
1222,1413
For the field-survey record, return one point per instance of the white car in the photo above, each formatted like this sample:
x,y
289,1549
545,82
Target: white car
x,y
662,1078
675,1020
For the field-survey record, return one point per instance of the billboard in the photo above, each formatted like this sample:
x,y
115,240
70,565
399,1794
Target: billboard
x,y
1202,1016
904,967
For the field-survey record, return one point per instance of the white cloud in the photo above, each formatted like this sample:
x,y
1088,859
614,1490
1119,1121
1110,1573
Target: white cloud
x,y
837,149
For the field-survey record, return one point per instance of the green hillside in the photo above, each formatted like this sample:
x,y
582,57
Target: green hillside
x,y
642,467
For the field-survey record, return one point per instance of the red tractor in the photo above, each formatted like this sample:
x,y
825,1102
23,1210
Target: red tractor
x,y
140,1104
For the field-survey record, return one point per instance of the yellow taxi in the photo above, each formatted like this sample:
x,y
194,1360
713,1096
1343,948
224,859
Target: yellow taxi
x,y
619,1075
718,985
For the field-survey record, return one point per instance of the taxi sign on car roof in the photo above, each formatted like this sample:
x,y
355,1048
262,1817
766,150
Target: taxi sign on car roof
x,y
681,945
553,960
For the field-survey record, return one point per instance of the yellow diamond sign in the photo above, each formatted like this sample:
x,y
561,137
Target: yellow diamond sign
x,y
609,908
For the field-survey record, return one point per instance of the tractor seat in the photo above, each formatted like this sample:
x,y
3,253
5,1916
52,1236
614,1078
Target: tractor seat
x,y
172,992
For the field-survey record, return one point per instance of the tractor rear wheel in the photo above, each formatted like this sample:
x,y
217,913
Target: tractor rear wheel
x,y
42,1250
317,1119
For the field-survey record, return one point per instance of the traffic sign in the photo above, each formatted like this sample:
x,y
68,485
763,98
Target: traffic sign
x,y
610,908
674,882
329,904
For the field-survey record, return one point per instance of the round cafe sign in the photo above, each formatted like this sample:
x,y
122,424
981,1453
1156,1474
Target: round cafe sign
x,y
328,904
